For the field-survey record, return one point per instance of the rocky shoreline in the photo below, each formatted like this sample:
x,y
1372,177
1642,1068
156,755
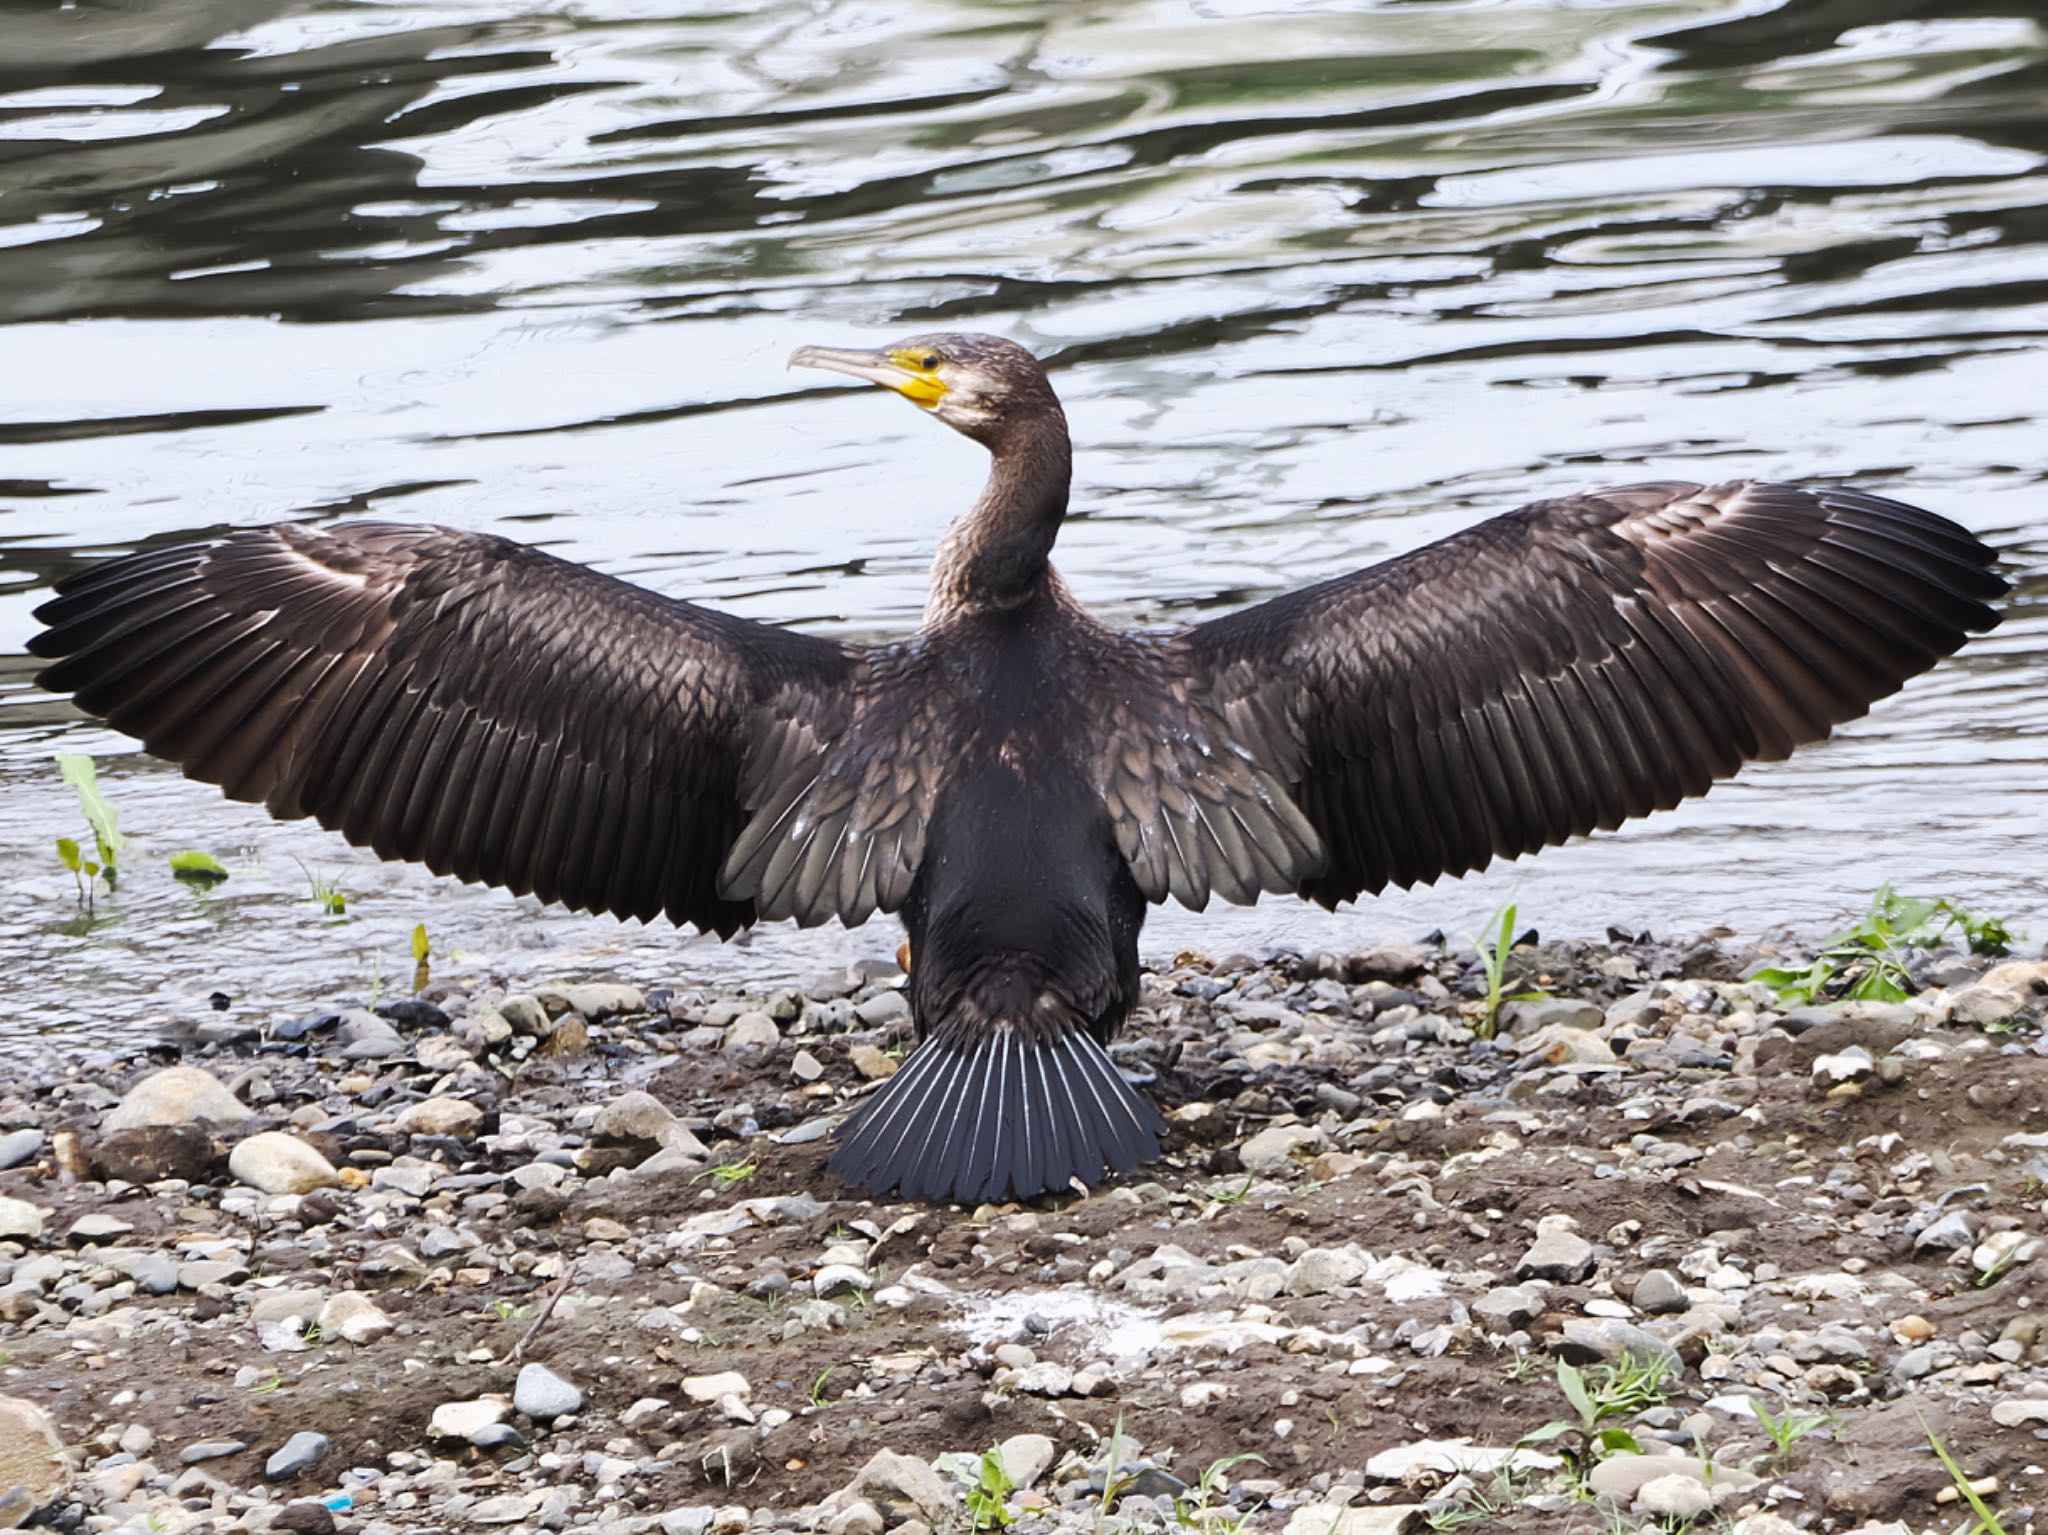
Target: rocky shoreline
x,y
569,1260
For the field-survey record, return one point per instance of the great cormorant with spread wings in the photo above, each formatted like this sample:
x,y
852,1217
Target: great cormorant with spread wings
x,y
1016,780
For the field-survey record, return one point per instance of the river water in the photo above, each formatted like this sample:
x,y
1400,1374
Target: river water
x,y
1320,281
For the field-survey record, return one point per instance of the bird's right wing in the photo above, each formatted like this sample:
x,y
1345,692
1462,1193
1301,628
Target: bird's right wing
x,y
1579,662
460,700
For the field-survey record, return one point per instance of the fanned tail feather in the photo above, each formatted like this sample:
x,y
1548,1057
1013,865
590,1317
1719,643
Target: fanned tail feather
x,y
995,1111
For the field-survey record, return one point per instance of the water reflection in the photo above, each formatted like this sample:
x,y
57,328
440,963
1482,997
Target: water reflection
x,y
1322,282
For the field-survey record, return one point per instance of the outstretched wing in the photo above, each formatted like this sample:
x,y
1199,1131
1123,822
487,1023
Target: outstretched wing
x,y
459,700
1582,661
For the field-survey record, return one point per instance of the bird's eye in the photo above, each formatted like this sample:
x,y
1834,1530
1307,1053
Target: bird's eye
x,y
931,361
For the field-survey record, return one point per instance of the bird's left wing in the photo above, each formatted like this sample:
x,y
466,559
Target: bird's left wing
x,y
461,700
1579,662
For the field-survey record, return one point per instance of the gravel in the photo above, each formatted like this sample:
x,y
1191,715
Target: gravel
x,y
458,1263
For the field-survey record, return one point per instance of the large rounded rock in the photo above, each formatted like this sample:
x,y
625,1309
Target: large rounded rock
x,y
177,1095
278,1163
31,1457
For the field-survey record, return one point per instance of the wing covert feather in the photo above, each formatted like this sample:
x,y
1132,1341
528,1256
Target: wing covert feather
x,y
461,700
1580,662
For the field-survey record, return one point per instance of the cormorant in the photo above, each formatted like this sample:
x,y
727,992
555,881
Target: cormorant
x,y
1016,780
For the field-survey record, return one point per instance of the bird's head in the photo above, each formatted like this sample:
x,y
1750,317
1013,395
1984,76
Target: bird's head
x,y
982,386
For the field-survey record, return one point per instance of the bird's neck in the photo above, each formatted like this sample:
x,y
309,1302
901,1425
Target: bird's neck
x,y
995,555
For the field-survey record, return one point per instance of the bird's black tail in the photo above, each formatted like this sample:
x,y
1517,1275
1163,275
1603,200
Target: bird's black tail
x,y
986,1109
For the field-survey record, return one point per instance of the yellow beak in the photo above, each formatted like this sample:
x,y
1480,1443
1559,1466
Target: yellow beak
x,y
892,370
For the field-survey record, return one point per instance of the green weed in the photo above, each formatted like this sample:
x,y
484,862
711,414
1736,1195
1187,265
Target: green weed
x,y
103,820
988,1496
328,897
1866,962
1606,1391
1493,951
1197,1508
1987,1521
1784,1430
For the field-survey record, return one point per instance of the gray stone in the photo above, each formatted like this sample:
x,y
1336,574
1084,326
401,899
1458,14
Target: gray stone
x,y
1323,1269
752,1031
1660,1292
1387,962
1605,1339
1373,1519
1508,1308
278,1163
1275,1147
97,1228
1952,1232
524,1013
20,1220
900,1487
353,1317
883,1007
543,1395
1559,1255
442,1116
301,1452
642,1117
1027,1457
1550,1012
19,1146
464,1420
210,1449
364,1036
2021,1412
604,999
1674,1497
177,1095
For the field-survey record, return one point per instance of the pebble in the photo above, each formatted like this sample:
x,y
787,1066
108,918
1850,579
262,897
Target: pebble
x,y
442,1116
872,1063
278,1163
543,1395
19,1219
1659,1292
1277,1146
752,1031
353,1317
1674,1497
2020,1413
301,1452
710,1388
32,1456
1542,1014
209,1449
466,1419
18,1147
1561,1256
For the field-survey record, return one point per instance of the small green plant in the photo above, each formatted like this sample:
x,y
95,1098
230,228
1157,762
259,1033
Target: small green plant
x,y
1114,1478
727,1174
511,1310
1999,1265
1522,1367
1493,951
1224,1194
327,895
1784,1430
988,1497
197,869
1606,1391
1866,962
818,1397
270,1383
420,972
1197,1508
105,823
1987,1521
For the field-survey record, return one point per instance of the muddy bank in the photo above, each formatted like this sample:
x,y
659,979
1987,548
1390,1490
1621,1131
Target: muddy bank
x,y
570,1260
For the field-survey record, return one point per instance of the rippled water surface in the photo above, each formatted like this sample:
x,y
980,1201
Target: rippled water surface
x,y
1320,281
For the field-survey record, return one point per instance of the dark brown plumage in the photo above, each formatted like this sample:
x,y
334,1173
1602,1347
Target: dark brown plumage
x,y
1015,780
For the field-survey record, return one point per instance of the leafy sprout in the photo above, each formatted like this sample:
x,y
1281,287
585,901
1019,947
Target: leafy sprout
x,y
1493,951
1987,1521
105,823
1784,1430
1606,1391
988,1496
1870,955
